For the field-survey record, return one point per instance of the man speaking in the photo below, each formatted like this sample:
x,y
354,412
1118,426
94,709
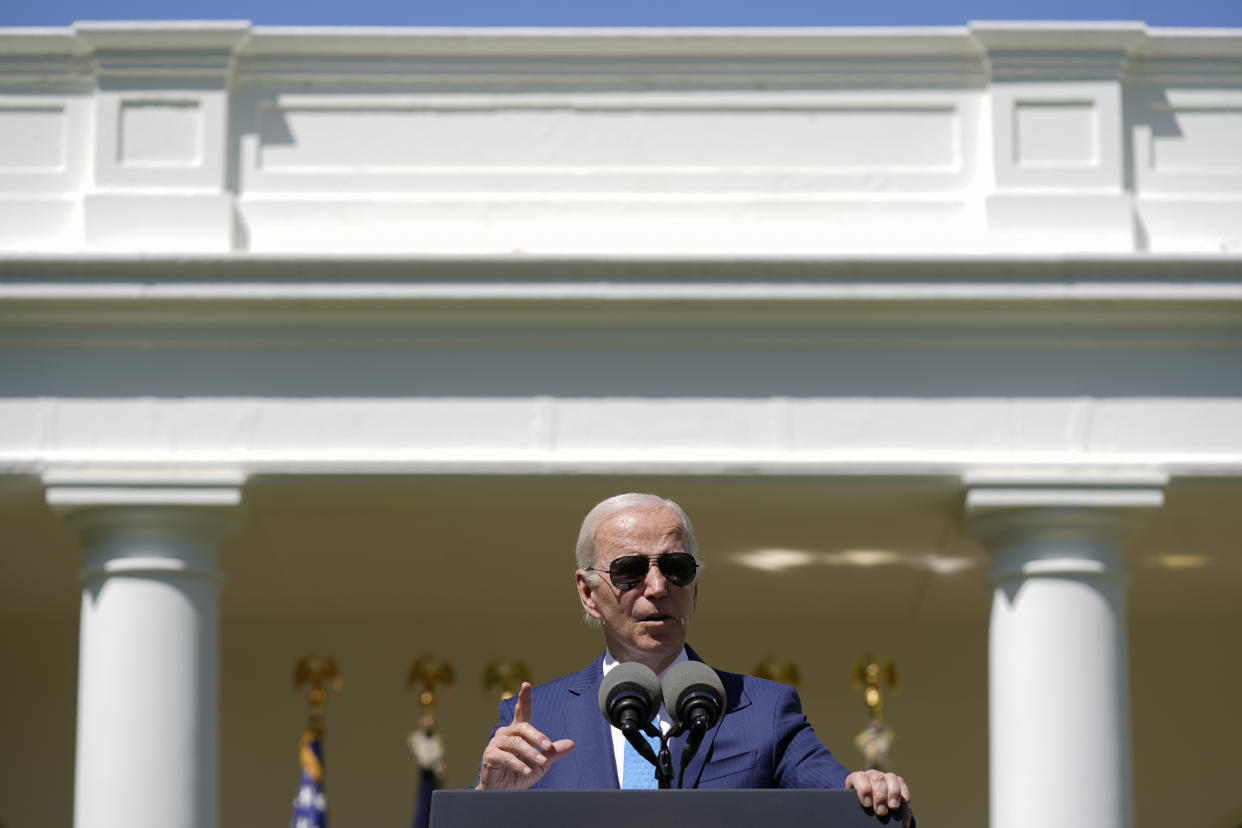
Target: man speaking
x,y
637,579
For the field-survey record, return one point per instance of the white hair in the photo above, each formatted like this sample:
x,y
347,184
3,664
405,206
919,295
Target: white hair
x,y
585,551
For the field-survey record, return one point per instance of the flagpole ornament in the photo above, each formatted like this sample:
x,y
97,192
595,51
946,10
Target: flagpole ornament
x,y
504,677
776,668
430,673
317,673
876,741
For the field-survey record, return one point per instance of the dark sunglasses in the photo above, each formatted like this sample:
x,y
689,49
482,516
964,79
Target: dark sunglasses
x,y
678,568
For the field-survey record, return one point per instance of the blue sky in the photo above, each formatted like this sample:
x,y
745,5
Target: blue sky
x,y
625,13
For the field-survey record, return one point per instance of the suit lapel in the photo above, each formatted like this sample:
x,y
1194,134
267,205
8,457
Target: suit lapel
x,y
735,699
593,751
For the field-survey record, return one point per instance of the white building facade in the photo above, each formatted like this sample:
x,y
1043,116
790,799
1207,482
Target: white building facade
x,y
305,328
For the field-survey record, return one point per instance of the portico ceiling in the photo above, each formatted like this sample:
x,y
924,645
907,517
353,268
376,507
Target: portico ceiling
x,y
802,547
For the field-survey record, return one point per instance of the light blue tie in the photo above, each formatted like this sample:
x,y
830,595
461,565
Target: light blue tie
x,y
638,773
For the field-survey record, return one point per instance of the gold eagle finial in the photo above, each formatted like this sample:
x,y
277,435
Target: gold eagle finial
x,y
869,674
318,673
779,669
432,673
504,676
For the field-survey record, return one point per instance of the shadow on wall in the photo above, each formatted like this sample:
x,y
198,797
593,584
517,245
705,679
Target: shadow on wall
x,y
1150,108
510,370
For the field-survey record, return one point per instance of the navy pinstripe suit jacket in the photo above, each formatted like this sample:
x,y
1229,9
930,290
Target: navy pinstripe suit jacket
x,y
762,741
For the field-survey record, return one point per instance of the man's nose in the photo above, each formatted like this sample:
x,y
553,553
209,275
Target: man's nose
x,y
655,581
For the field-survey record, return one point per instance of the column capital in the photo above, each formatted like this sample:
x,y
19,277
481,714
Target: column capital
x,y
145,526
1057,525
72,495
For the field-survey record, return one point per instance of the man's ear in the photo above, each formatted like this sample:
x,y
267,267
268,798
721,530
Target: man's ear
x,y
586,595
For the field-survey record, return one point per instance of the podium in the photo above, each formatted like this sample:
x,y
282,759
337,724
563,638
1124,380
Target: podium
x,y
652,809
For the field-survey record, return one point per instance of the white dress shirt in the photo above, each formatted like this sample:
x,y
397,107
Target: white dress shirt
x,y
618,739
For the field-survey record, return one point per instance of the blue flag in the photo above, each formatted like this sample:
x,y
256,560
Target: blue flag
x,y
426,785
310,806
428,750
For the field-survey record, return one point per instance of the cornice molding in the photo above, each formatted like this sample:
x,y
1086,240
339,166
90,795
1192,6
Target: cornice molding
x,y
241,266
41,42
1058,51
571,72
611,43
1190,290
1195,57
44,56
1086,37
952,469
1193,43
185,50
585,58
690,57
259,277
163,36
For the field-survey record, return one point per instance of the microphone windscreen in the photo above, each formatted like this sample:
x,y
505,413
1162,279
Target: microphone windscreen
x,y
634,682
693,681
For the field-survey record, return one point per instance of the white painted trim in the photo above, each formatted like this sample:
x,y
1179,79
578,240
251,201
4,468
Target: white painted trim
x,y
897,292
1050,467
61,496
1077,497
607,292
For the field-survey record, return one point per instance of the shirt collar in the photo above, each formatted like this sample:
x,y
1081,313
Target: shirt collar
x,y
610,662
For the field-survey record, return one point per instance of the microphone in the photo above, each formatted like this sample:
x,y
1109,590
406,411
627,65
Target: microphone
x,y
694,698
628,698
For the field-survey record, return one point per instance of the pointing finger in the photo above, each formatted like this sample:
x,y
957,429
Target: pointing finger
x,y
521,713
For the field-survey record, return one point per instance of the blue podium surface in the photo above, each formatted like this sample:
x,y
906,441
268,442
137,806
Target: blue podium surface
x,y
652,809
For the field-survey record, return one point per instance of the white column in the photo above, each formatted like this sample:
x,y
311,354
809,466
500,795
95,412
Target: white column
x,y
149,652
1058,664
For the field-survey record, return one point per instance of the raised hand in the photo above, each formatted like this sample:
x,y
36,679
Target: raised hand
x,y
518,755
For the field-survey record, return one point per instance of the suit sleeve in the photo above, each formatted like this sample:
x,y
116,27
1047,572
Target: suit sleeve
x,y
800,759
504,716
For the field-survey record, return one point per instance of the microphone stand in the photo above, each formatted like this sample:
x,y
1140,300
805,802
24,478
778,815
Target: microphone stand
x,y
663,759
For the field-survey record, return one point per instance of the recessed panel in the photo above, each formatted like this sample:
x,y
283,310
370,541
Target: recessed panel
x,y
1055,134
329,139
160,134
1197,139
32,139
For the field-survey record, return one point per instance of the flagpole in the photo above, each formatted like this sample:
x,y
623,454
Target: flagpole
x,y
427,747
310,805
